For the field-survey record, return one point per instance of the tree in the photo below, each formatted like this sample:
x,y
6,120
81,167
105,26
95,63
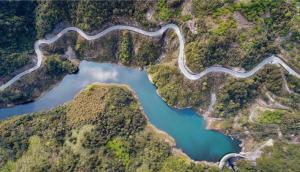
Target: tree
x,y
125,48
195,54
50,13
56,66
204,7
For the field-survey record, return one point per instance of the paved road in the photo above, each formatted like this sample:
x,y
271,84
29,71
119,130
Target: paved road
x,y
250,156
225,159
181,58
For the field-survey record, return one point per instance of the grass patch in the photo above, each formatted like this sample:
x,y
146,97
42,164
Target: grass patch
x,y
271,117
117,147
35,159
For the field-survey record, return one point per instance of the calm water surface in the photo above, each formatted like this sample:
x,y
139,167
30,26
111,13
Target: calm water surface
x,y
185,126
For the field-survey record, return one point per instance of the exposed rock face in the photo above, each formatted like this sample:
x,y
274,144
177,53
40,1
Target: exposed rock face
x,y
241,21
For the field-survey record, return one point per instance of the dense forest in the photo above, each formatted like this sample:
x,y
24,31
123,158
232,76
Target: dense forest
x,y
17,29
176,90
237,94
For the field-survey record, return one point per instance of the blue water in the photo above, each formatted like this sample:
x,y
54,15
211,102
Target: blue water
x,y
185,126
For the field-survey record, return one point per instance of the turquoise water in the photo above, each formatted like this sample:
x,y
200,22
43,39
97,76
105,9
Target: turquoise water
x,y
185,126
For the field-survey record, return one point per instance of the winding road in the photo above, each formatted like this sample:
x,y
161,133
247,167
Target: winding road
x,y
181,58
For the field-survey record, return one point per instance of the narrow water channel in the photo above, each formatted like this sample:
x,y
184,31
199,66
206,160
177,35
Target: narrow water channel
x,y
184,125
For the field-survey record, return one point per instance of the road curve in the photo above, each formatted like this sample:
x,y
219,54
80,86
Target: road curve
x,y
225,158
181,58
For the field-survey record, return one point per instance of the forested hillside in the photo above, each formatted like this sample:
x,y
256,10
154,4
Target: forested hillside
x,y
21,23
17,28
223,30
240,33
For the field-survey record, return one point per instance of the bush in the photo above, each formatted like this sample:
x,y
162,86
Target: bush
x,y
56,66
125,48
205,7
11,62
164,10
147,53
176,90
271,117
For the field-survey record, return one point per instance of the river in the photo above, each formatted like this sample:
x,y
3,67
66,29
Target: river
x,y
184,125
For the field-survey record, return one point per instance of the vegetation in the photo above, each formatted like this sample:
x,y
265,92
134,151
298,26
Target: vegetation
x,y
56,66
176,90
196,53
293,83
280,157
116,146
241,40
268,124
23,22
88,15
28,161
205,53
130,49
28,88
11,62
125,48
17,28
269,117
115,138
148,53
48,14
91,14
17,25
101,50
164,10
238,93
174,164
108,133
204,7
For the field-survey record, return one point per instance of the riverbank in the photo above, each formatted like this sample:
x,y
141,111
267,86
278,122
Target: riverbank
x,y
211,124
178,152
162,134
31,87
